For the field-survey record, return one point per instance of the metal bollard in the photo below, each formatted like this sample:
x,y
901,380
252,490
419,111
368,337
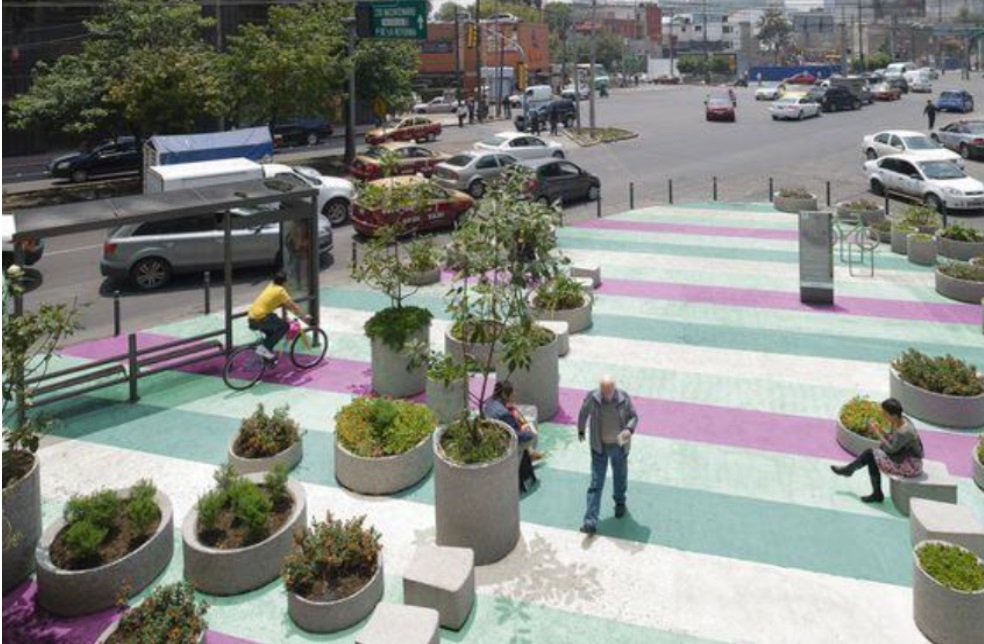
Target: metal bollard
x,y
670,190
116,313
772,191
599,206
887,208
828,194
944,213
355,253
133,370
714,183
208,292
631,195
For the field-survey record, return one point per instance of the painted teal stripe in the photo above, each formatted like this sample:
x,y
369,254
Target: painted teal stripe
x,y
733,206
676,216
683,239
875,549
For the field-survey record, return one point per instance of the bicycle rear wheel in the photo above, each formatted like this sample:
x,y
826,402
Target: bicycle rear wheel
x,y
243,368
309,348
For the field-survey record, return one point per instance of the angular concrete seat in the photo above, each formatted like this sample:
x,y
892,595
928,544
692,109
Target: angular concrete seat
x,y
586,283
399,624
442,578
950,522
934,483
592,271
562,330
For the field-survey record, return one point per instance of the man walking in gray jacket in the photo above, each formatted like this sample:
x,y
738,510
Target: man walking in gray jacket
x,y
611,420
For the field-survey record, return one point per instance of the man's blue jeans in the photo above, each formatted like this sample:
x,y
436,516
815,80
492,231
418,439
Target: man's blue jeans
x,y
272,327
599,470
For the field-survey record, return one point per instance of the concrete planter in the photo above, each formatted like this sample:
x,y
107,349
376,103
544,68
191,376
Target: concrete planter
x,y
391,373
853,443
795,205
22,517
477,506
231,572
964,412
944,615
386,474
458,348
105,635
540,384
578,319
899,240
289,458
866,217
424,278
960,250
446,401
332,616
960,290
978,469
883,237
78,592
921,250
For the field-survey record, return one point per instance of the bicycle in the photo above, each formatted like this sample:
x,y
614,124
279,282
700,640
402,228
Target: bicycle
x,y
308,347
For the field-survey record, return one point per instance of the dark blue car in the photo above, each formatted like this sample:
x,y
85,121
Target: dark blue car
x,y
955,100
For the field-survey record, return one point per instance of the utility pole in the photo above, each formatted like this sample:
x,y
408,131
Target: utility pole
x,y
591,89
671,45
577,84
457,55
707,54
478,57
502,61
350,104
844,62
861,37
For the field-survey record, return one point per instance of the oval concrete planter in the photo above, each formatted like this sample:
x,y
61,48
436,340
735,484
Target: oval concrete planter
x,y
332,616
883,237
866,217
230,572
960,290
424,278
539,384
446,401
385,474
577,319
477,506
78,592
978,469
944,615
921,250
22,518
289,458
795,205
853,443
899,239
959,250
391,372
963,412
105,635
458,348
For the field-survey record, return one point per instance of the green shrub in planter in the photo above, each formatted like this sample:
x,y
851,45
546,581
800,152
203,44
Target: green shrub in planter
x,y
883,226
244,502
170,615
375,427
956,232
562,293
443,368
797,192
859,412
422,256
922,237
332,559
940,375
394,326
921,217
262,435
93,521
953,567
859,205
963,271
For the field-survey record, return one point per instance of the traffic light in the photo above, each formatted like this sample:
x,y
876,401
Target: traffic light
x,y
471,35
521,76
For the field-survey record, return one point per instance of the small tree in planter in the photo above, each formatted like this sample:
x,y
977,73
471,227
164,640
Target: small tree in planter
x,y
265,441
854,424
382,446
922,218
900,237
864,211
948,592
961,281
447,382
941,390
423,262
960,242
564,298
795,200
334,575
170,615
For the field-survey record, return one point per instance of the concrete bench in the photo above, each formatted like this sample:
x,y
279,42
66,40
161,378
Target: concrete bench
x,y
442,578
930,519
399,624
593,272
562,330
934,483
586,283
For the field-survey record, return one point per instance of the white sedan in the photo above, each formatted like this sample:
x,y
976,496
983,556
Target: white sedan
x,y
908,142
521,146
334,194
932,181
768,92
795,107
436,105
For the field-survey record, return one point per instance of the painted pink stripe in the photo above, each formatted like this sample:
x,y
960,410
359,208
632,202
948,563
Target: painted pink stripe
x,y
760,430
688,229
955,313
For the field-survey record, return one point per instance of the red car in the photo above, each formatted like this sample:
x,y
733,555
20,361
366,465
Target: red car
x,y
719,108
411,128
408,158
802,78
443,207
885,92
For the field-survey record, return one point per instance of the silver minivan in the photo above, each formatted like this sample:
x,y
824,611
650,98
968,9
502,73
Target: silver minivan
x,y
149,254
471,171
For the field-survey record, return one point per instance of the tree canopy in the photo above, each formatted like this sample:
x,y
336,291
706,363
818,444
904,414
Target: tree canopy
x,y
775,31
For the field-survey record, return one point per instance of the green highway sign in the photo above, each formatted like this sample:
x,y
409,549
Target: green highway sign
x,y
394,19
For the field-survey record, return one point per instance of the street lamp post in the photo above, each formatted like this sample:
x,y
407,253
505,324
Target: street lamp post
x,y
591,88
350,104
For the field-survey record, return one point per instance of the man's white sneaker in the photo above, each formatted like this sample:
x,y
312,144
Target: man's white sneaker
x,y
264,353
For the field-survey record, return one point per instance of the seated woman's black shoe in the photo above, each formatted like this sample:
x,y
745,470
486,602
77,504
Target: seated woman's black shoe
x,y
840,471
876,497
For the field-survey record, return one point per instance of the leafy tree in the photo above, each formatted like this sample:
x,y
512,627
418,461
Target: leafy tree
x,y
775,31
446,12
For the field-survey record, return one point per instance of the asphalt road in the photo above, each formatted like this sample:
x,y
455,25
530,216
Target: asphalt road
x,y
674,142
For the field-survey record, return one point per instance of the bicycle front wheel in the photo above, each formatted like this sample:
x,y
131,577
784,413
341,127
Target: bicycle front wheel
x,y
309,348
243,368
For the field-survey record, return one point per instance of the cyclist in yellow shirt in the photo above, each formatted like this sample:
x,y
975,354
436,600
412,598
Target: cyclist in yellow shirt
x,y
263,316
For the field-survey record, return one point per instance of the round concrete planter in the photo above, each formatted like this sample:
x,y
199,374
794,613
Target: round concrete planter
x,y
921,250
22,518
105,635
78,592
477,506
391,372
539,384
424,278
458,348
332,616
577,319
883,237
794,205
231,572
963,412
960,290
978,469
446,401
866,217
386,474
944,615
853,443
899,239
289,458
960,250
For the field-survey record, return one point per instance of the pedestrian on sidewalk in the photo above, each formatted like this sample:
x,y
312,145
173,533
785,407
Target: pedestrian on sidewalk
x,y
535,122
471,110
554,121
463,113
930,112
610,420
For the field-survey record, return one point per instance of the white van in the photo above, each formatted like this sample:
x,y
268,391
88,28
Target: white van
x,y
537,95
899,69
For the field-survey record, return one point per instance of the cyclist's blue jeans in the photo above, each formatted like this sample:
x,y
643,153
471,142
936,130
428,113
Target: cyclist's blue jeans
x,y
273,327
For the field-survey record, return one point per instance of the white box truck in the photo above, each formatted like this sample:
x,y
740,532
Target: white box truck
x,y
163,178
